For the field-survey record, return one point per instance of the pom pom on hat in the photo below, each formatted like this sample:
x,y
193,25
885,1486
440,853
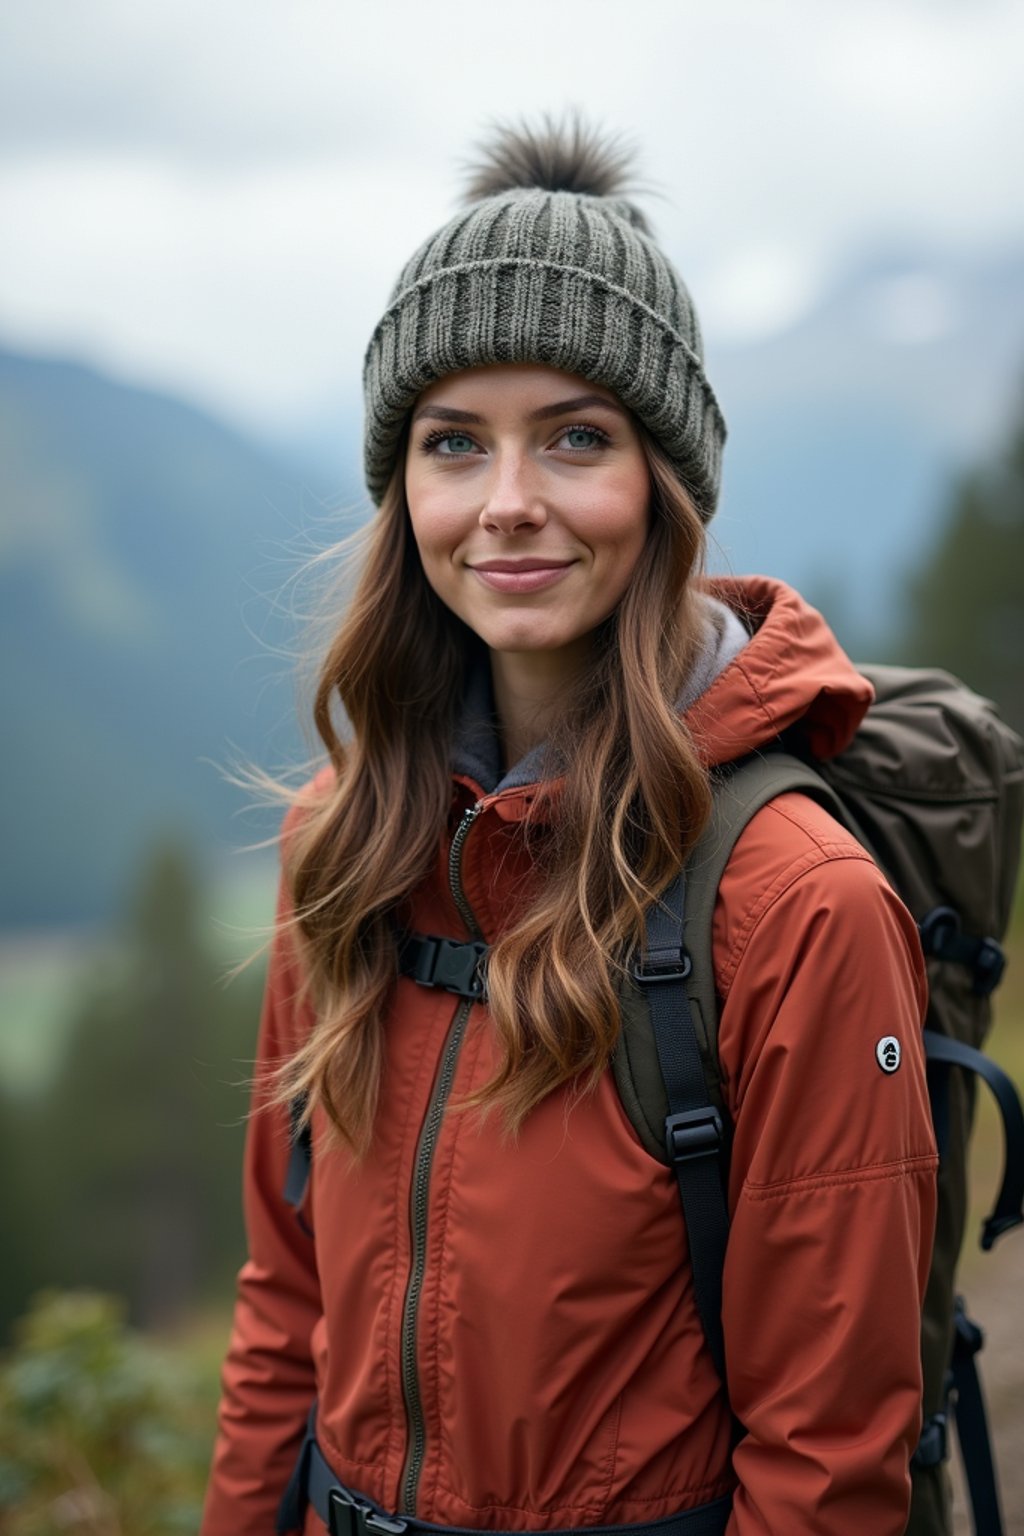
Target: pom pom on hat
x,y
568,156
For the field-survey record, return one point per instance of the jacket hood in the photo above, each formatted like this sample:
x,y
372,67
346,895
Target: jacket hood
x,y
793,676
775,667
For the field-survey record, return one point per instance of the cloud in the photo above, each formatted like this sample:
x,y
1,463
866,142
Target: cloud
x,y
913,308
218,198
760,291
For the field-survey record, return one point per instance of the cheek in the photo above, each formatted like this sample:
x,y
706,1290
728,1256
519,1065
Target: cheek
x,y
620,518
435,526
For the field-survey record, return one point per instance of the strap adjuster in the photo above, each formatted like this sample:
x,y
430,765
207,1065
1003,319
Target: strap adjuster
x,y
933,1446
657,966
346,1517
967,1336
693,1133
989,965
943,938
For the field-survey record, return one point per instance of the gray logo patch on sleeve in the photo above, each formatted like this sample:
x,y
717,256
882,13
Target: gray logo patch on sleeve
x,y
888,1053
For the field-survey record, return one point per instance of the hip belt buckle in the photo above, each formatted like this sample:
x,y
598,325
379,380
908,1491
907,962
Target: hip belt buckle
x,y
347,1517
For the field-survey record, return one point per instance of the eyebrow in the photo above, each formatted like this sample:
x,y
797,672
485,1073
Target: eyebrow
x,y
559,408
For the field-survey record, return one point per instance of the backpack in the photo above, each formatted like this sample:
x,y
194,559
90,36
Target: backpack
x,y
933,787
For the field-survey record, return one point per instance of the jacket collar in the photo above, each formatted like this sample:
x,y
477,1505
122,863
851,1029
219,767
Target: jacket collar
x,y
476,756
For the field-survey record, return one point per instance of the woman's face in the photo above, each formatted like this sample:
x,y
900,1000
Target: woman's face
x,y
529,496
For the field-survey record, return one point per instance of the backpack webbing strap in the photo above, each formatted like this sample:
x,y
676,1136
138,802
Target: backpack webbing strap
x,y
679,989
1008,1211
300,1160
693,1126
972,1427
291,1511
943,938
742,790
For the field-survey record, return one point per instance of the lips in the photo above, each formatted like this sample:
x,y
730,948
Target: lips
x,y
533,563
529,575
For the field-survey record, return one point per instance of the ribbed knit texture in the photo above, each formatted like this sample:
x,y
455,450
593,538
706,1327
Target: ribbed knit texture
x,y
561,278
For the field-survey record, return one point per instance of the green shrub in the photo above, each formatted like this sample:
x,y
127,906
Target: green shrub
x,y
102,1433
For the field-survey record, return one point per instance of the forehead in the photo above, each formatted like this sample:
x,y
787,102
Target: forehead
x,y
511,386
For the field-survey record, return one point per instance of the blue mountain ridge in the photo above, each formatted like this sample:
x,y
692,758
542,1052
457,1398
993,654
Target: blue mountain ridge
x,y
144,549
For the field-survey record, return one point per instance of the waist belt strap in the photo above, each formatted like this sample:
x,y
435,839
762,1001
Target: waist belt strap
x,y
972,1427
346,1513
1008,1211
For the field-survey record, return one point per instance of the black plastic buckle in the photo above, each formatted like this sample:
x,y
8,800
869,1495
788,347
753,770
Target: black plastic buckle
x,y
968,1337
459,967
649,972
693,1133
943,938
347,1518
451,964
933,1446
989,965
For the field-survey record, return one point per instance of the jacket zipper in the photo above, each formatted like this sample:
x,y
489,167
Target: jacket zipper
x,y
420,1193
455,870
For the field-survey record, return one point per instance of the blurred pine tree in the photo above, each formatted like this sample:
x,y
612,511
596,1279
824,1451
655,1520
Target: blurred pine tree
x,y
966,602
129,1174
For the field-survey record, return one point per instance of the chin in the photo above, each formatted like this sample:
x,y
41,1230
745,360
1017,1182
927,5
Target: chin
x,y
526,639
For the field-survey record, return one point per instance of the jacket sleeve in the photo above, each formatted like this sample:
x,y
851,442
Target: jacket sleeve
x,y
268,1377
832,1190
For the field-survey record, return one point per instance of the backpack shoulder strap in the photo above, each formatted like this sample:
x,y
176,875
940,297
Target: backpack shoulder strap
x,y
676,978
300,1158
693,1127
738,795
738,792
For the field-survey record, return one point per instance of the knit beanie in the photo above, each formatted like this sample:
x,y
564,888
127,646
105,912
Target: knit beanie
x,y
549,263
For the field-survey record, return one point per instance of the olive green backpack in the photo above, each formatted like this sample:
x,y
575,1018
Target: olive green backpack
x,y
933,786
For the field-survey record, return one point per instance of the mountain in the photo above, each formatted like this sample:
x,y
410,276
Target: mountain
x,y
143,551
847,430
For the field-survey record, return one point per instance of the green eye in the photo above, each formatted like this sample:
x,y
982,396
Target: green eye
x,y
582,438
456,443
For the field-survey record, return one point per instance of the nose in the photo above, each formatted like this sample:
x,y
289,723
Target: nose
x,y
513,502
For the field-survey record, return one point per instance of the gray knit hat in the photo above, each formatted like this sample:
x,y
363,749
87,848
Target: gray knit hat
x,y
548,264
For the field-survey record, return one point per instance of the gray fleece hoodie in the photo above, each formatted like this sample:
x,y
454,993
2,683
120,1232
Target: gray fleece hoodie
x,y
477,751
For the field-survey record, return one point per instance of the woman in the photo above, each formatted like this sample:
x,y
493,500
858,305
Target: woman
x,y
488,1293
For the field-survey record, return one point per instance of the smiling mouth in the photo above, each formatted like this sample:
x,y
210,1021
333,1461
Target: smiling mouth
x,y
521,575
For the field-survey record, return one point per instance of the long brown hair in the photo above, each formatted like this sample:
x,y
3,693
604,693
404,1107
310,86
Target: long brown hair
x,y
633,799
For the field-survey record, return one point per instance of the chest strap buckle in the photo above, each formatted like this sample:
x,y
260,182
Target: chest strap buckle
x,y
451,964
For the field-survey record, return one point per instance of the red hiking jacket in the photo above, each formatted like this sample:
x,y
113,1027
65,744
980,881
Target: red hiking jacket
x,y
504,1335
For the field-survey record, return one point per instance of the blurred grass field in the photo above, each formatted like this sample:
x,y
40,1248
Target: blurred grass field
x,y
41,974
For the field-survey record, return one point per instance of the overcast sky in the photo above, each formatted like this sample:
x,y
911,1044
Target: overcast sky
x,y
215,197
